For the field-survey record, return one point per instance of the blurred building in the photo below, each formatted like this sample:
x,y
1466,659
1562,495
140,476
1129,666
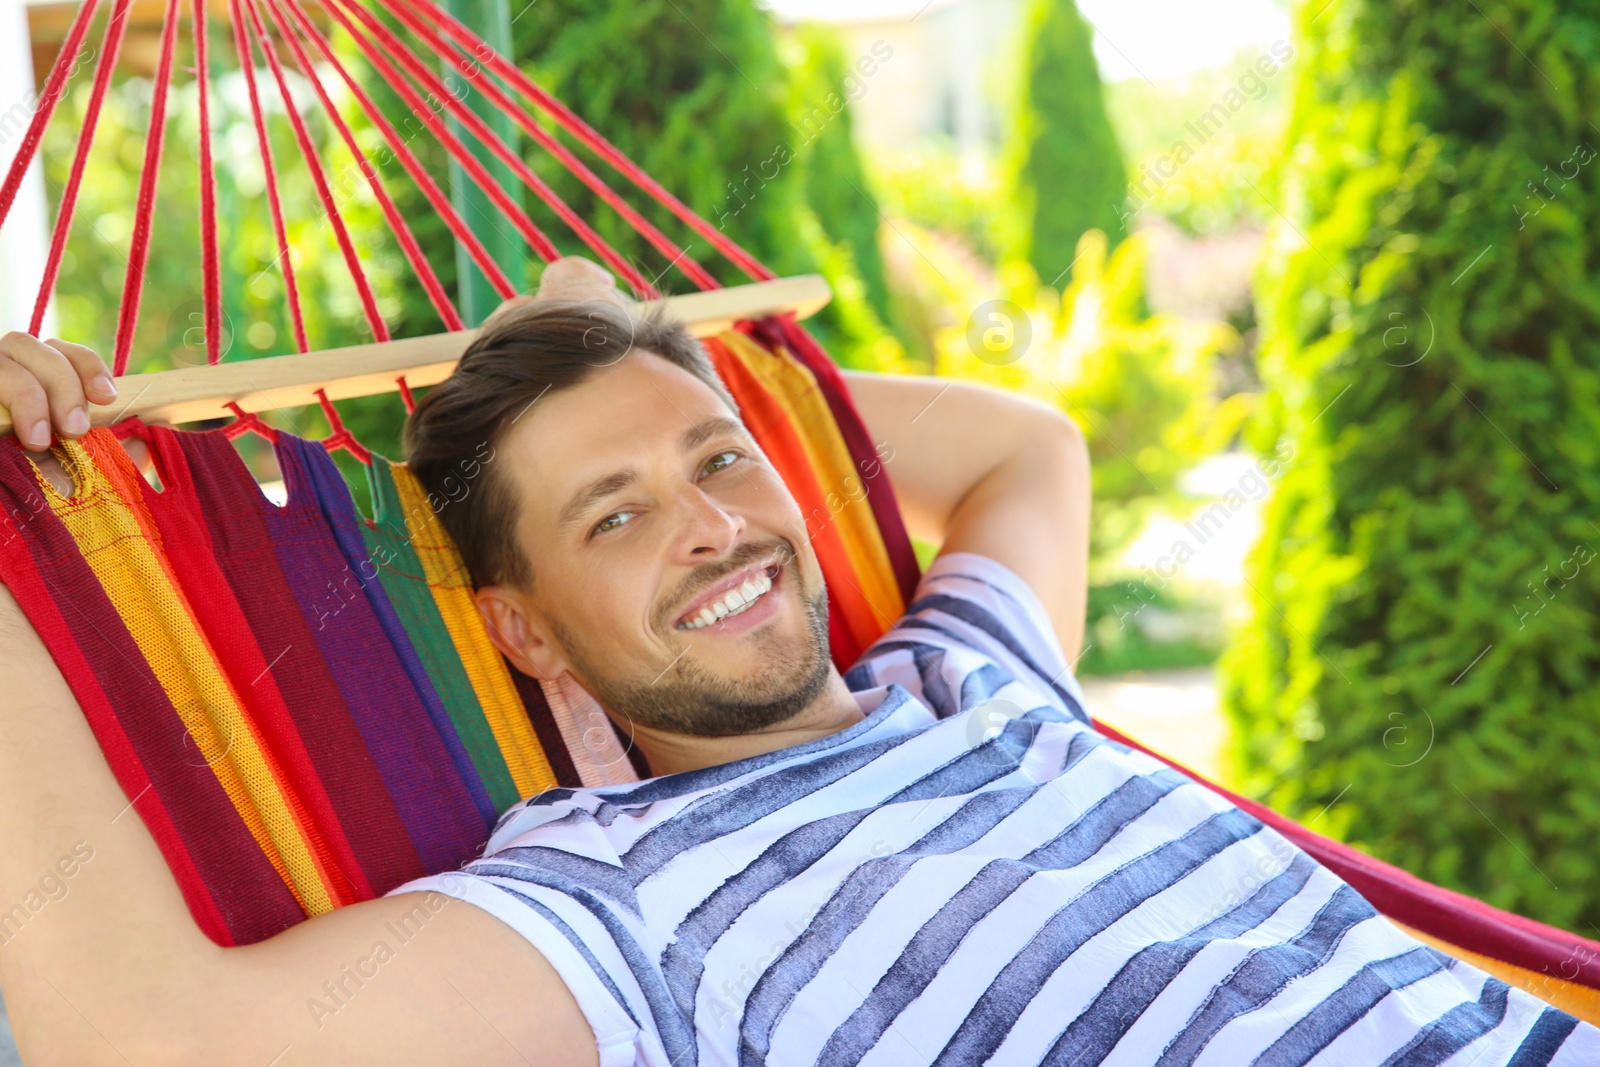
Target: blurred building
x,y
948,75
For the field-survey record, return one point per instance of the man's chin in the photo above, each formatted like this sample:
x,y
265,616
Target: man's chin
x,y
722,685
765,666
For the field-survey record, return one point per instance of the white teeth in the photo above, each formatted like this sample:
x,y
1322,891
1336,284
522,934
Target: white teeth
x,y
732,603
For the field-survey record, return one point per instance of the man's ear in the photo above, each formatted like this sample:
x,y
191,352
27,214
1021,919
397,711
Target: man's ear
x,y
517,630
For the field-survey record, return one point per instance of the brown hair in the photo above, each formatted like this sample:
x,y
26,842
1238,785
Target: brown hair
x,y
522,353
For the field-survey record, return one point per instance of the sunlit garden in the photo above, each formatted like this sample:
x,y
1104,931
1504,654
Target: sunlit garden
x,y
1310,277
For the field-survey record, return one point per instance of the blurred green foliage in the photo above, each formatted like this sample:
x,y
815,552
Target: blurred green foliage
x,y
1123,634
255,313
823,83
931,187
1069,169
1140,386
171,323
697,93
1201,147
1419,672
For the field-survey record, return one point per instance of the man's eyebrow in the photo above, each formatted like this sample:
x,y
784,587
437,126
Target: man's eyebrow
x,y
619,480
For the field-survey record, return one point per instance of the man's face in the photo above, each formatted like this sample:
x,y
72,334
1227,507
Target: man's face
x,y
642,499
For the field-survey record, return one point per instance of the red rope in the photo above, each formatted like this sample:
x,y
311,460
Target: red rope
x,y
413,13
105,63
144,210
586,233
394,46
519,218
45,106
430,189
397,223
574,125
211,267
341,436
405,394
247,421
247,64
308,148
664,244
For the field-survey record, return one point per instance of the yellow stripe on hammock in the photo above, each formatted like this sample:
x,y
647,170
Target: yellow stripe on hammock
x,y
486,670
795,389
1570,997
122,554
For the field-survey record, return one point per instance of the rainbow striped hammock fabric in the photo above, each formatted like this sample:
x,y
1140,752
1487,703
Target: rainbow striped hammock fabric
x,y
304,707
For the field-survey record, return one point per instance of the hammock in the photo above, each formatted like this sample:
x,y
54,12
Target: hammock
x,y
302,702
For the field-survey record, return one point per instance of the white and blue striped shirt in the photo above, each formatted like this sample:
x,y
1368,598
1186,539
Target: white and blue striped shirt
x,y
971,875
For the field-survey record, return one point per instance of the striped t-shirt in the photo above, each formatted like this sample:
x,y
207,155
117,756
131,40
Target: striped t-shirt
x,y
971,874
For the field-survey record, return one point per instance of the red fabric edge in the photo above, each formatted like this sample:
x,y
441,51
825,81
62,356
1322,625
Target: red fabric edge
x,y
785,330
23,579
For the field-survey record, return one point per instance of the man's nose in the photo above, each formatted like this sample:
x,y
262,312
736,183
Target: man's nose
x,y
707,529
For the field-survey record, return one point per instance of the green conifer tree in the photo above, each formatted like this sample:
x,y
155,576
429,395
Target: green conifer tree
x,y
1419,675
1070,171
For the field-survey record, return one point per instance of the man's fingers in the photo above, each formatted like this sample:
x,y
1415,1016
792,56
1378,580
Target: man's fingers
x,y
569,278
577,276
25,398
92,370
69,411
575,268
511,302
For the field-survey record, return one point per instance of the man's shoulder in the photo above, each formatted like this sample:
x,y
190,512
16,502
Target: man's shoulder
x,y
973,628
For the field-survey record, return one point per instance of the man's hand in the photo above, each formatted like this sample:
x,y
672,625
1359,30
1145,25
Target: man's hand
x,y
569,278
978,469
50,383
53,382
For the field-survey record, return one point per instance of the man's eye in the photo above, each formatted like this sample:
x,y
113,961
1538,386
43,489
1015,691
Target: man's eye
x,y
730,452
601,527
713,466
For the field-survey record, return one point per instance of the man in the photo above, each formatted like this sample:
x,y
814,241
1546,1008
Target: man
x,y
930,859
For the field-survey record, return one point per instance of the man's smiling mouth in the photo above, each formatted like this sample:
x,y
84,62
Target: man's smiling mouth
x,y
729,599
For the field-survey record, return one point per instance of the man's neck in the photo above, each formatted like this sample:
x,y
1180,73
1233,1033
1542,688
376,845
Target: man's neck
x,y
673,753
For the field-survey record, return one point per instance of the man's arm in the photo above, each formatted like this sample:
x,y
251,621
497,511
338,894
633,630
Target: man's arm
x,y
100,960
977,469
114,970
